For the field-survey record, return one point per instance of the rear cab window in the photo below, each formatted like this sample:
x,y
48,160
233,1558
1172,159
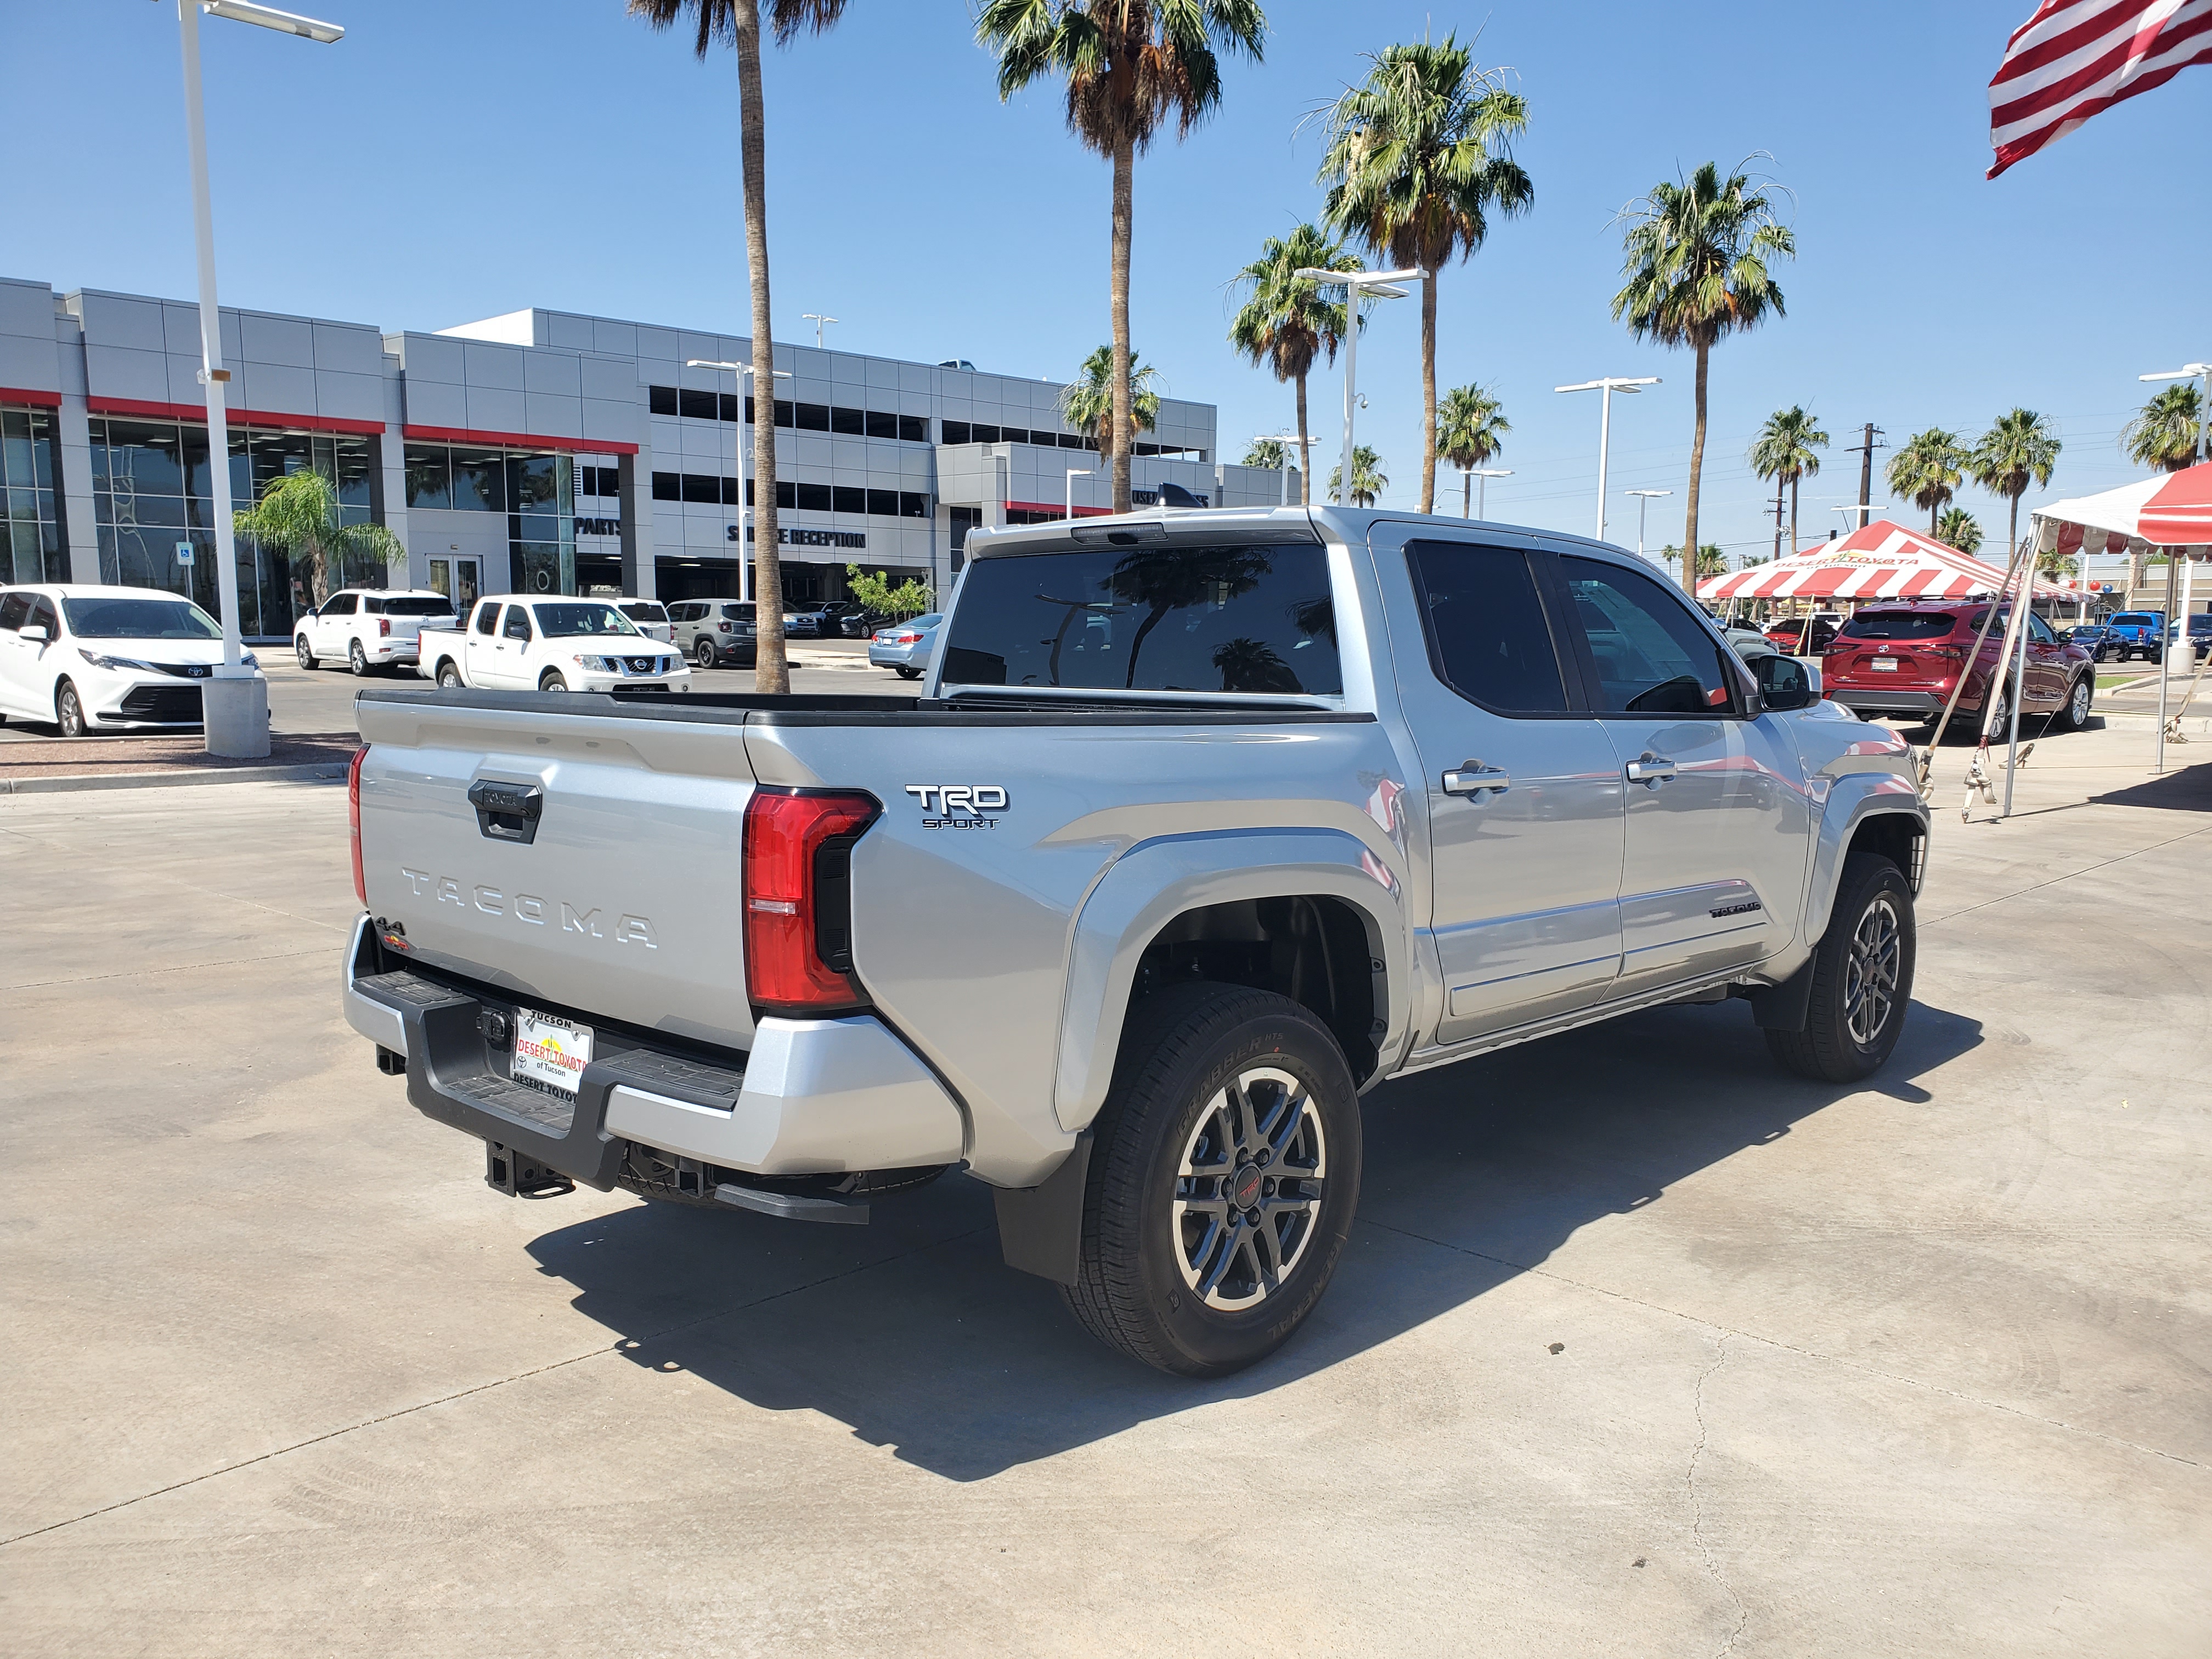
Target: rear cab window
x,y
1257,620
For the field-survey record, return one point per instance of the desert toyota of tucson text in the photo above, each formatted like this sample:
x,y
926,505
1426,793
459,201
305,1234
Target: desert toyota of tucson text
x,y
1203,824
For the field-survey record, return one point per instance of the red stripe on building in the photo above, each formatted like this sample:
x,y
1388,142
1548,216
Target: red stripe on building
x,y
153,411
16,394
458,434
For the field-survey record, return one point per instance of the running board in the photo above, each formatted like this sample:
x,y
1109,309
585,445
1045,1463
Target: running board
x,y
794,1207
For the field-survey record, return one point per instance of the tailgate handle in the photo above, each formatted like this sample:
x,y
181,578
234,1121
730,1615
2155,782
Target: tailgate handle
x,y
507,811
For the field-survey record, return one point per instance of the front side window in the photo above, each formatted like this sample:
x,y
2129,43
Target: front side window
x,y
1488,636
571,621
137,619
342,605
518,621
1648,653
2041,630
1251,619
13,609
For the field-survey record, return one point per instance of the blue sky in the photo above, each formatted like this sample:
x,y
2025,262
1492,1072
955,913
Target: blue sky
x,y
452,160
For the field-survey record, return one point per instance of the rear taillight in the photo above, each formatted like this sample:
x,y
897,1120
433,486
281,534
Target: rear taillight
x,y
384,628
722,627
798,898
353,812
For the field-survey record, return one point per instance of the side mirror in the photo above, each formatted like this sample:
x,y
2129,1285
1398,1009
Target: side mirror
x,y
1785,684
36,634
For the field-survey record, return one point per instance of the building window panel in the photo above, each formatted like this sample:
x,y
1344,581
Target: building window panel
x,y
667,487
853,422
816,498
726,406
882,425
660,399
846,499
957,432
697,405
913,504
479,481
883,503
699,488
813,418
914,429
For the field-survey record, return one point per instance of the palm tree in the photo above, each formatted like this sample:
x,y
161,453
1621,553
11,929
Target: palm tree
x,y
2164,434
1471,428
738,22
1928,466
1419,154
1087,401
1368,479
1129,64
1268,453
2018,447
1784,454
298,515
1711,562
1960,529
1696,266
1286,323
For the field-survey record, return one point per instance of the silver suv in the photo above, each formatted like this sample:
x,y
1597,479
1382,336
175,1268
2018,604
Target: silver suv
x,y
713,632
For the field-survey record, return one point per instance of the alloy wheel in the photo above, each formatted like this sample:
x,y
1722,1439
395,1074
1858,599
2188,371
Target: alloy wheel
x,y
2080,713
1247,1188
306,657
70,711
356,660
1870,972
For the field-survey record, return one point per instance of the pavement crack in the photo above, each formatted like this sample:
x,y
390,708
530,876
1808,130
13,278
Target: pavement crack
x,y
621,1345
1697,1503
179,968
1862,1369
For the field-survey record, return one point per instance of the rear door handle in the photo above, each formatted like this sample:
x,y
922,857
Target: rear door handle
x,y
1652,771
1473,778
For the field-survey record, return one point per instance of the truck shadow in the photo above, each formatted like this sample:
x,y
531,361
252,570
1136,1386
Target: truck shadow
x,y
914,1335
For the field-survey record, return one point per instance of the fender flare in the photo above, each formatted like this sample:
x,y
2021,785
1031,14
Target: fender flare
x,y
1156,881
1860,796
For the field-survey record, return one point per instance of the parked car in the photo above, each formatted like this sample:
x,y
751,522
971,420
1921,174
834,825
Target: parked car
x,y
714,633
1748,638
1901,660
513,644
1803,636
2200,633
1179,852
2139,634
905,646
650,615
2095,638
805,623
369,629
93,659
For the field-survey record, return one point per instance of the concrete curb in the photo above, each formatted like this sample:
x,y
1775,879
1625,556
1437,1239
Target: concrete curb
x,y
313,772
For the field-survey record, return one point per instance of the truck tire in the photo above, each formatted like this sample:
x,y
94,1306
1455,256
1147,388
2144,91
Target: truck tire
x,y
1862,978
449,676
1195,1259
550,680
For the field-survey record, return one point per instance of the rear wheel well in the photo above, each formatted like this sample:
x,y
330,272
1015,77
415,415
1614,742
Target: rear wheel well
x,y
1317,951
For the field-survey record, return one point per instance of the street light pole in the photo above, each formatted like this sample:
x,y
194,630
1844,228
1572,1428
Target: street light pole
x,y
1358,285
820,322
1645,497
1073,473
235,702
1605,388
1282,441
1482,490
743,372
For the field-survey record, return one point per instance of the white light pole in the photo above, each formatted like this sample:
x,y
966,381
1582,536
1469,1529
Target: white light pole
x,y
1605,388
1645,497
1073,473
1282,441
2181,653
235,703
1482,490
1359,285
820,322
743,372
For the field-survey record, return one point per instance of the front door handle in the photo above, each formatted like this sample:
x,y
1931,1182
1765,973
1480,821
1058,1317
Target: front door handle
x,y
1652,771
1473,778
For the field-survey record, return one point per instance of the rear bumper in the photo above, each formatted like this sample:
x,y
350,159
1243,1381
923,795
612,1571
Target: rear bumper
x,y
815,1096
1868,700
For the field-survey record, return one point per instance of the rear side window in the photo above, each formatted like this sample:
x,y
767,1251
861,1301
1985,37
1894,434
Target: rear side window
x,y
1488,636
1899,625
487,618
1248,620
1650,655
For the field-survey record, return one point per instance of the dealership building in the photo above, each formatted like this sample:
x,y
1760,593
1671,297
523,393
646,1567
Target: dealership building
x,y
535,452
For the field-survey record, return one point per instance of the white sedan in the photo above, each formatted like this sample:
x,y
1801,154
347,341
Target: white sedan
x,y
105,659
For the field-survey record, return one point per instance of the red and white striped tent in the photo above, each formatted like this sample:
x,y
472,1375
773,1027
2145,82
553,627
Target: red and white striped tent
x,y
2171,510
1881,561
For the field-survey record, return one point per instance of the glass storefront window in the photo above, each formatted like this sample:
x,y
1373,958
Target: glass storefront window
x,y
31,547
429,477
479,481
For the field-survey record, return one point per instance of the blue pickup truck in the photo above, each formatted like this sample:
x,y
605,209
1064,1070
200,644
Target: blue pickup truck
x,y
2138,633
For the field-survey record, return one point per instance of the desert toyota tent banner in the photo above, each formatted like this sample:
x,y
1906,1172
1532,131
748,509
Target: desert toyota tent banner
x,y
1883,561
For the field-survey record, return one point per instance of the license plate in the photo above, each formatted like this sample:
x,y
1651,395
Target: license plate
x,y
550,1050
1884,665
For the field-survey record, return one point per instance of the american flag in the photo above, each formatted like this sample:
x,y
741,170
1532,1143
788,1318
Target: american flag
x,y
2076,58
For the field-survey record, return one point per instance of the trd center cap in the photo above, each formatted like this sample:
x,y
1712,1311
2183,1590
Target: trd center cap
x,y
1244,1188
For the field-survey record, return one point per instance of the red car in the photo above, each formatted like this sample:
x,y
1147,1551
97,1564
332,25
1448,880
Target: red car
x,y
1789,636
1901,660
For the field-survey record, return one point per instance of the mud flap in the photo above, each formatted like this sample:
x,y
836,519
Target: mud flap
x,y
1786,1007
1040,1227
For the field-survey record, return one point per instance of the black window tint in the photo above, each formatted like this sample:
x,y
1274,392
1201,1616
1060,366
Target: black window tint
x,y
696,405
914,429
1650,654
956,432
1072,441
984,435
787,493
1202,619
881,425
372,605
853,422
814,417
427,604
1013,434
518,621
846,499
667,487
13,609
913,504
883,503
783,412
1899,625
726,406
660,399
487,619
343,604
816,498
1488,636
729,492
699,487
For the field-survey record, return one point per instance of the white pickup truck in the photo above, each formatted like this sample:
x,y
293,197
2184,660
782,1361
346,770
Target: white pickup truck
x,y
511,644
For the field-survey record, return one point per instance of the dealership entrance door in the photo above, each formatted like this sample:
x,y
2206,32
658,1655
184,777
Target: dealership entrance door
x,y
458,580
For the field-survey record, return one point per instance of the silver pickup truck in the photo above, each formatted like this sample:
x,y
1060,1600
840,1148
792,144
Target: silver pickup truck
x,y
1203,824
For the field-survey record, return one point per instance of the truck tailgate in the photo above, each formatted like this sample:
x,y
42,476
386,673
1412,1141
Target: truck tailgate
x,y
597,870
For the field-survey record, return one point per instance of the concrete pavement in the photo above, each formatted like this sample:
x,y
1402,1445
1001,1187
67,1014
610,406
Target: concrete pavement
x,y
1641,1345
